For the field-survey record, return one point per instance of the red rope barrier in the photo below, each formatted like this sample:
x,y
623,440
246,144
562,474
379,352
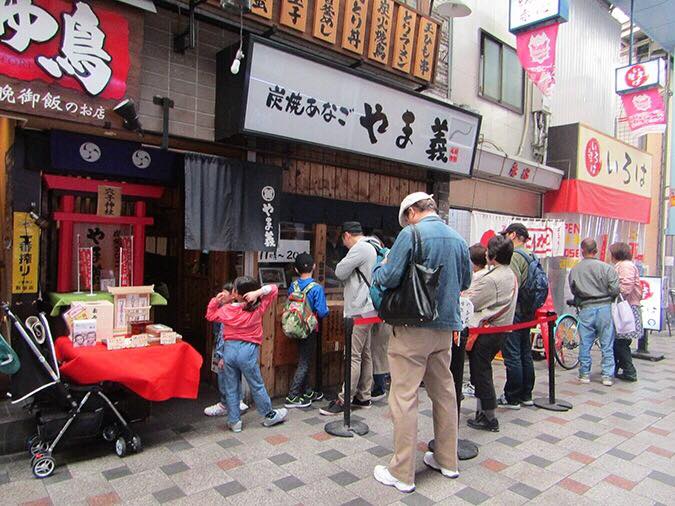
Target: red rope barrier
x,y
477,330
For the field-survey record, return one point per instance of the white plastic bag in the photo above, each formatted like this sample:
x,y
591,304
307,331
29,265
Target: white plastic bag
x,y
623,317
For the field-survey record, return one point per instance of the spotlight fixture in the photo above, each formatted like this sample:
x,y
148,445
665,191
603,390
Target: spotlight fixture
x,y
40,221
240,53
126,110
237,62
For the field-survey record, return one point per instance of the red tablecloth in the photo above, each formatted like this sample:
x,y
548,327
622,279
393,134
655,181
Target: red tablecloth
x,y
156,373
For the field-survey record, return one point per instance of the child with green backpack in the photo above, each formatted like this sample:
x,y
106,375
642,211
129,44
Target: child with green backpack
x,y
306,304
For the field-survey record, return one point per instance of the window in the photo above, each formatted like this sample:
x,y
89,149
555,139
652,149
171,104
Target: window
x,y
502,78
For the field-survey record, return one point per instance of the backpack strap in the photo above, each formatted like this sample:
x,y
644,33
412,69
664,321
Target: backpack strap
x,y
528,258
308,287
363,278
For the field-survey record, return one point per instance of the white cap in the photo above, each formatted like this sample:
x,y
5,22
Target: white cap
x,y
411,199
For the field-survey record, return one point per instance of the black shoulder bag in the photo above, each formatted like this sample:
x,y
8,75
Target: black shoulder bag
x,y
414,301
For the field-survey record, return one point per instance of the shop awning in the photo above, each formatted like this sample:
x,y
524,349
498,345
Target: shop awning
x,y
516,171
582,197
144,5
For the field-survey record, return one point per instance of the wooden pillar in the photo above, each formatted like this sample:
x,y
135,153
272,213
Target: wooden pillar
x,y
64,277
139,245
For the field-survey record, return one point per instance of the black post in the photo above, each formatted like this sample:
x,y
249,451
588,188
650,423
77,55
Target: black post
x,y
318,381
642,352
550,403
345,428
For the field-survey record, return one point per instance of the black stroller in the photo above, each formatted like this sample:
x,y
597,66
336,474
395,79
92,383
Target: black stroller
x,y
59,407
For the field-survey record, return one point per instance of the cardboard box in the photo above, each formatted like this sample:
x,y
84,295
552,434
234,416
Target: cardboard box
x,y
156,329
83,333
102,312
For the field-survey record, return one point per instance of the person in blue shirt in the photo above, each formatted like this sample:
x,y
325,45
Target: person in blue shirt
x,y
300,394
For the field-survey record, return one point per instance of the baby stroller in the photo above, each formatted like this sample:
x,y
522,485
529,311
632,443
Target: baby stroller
x,y
81,411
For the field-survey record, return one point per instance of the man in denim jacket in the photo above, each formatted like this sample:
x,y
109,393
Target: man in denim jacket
x,y
422,353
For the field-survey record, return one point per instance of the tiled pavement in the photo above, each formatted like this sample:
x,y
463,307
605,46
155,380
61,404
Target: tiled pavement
x,y
615,447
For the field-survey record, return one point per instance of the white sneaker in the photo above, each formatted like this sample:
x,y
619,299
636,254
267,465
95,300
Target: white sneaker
x,y
382,474
584,379
430,461
608,381
274,417
235,427
216,410
243,407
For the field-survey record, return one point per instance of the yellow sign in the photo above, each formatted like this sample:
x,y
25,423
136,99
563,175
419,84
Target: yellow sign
x,y
25,254
605,161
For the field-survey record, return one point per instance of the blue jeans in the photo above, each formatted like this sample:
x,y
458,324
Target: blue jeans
x,y
517,353
242,358
596,321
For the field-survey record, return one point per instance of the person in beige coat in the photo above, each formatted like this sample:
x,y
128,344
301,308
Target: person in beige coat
x,y
494,298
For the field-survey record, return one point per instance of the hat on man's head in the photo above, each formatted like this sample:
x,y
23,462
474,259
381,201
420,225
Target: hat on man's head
x,y
518,228
411,199
353,227
303,262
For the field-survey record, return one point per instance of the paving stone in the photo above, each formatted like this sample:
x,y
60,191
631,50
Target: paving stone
x,y
624,416
357,502
315,420
591,418
472,495
524,490
654,414
168,494
282,458
184,429
61,473
521,422
4,478
332,455
586,435
509,441
229,489
379,451
598,392
118,472
179,445
176,468
615,452
548,438
289,483
416,499
663,478
226,444
344,478
538,461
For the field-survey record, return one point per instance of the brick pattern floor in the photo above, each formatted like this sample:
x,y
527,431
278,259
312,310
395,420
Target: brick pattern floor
x,y
616,446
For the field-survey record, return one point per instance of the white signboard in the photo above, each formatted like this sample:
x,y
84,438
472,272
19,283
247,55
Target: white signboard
x,y
651,302
302,100
525,13
547,237
286,252
641,75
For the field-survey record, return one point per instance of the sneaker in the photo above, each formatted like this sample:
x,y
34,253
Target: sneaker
x,y
274,417
503,403
626,377
357,404
584,378
468,389
243,407
216,410
608,381
334,408
378,395
430,461
382,474
235,427
297,401
529,403
313,395
481,422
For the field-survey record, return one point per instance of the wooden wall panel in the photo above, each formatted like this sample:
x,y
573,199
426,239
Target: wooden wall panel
x,y
341,184
363,193
316,179
328,189
384,190
394,191
374,188
303,177
352,184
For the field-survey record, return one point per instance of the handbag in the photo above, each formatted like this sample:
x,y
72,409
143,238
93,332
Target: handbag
x,y
623,317
414,301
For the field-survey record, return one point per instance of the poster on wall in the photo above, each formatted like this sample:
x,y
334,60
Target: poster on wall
x,y
547,236
286,252
651,302
25,254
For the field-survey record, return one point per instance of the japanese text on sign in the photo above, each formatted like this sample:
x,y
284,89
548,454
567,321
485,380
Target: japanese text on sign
x,y
405,30
25,254
294,14
354,28
326,13
380,30
262,8
71,43
336,109
268,194
426,47
47,102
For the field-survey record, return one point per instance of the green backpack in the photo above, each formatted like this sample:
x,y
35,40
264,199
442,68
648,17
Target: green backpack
x,y
298,320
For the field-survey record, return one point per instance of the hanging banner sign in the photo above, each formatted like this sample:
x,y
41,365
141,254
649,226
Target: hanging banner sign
x,y
25,254
125,261
547,237
640,76
646,111
536,52
85,265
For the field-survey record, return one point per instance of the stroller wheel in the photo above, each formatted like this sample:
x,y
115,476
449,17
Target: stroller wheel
x,y
37,445
110,433
121,447
136,443
43,466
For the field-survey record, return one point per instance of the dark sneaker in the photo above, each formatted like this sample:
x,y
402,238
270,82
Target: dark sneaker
x,y
362,404
503,403
527,402
313,395
481,422
377,395
297,401
627,377
334,408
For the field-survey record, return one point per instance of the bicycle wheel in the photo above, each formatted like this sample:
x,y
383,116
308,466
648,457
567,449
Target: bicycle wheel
x,y
567,341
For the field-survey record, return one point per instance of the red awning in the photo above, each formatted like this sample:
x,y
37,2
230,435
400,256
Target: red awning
x,y
581,197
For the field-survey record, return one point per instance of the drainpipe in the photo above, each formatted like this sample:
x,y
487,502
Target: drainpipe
x,y
451,29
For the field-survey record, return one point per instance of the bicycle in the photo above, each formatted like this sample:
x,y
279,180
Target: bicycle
x,y
567,340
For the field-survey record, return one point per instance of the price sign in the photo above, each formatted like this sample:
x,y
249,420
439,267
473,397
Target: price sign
x,y
651,302
286,252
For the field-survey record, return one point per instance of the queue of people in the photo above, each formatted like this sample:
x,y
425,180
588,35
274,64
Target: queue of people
x,y
503,284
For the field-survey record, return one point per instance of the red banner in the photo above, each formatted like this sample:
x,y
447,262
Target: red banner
x,y
73,44
536,52
84,264
126,255
646,111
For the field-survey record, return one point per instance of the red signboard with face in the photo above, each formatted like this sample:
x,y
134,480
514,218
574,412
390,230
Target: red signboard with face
x,y
73,44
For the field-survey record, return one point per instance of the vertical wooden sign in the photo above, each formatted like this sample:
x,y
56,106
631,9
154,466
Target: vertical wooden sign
x,y
380,31
354,26
262,8
403,39
326,19
426,48
294,14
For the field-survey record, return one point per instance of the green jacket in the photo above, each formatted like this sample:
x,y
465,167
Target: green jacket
x,y
519,265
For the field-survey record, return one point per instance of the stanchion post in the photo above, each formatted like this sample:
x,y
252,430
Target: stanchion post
x,y
318,382
643,352
550,403
345,427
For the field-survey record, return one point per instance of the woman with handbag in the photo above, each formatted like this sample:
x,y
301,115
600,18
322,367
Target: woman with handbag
x,y
494,297
631,292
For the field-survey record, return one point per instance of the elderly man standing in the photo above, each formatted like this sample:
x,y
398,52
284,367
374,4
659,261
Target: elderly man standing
x,y
422,353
